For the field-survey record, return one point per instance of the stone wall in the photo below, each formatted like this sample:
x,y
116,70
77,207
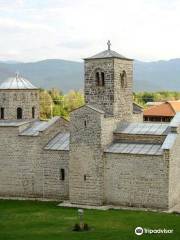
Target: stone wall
x,y
140,138
86,165
101,97
10,100
108,126
136,180
173,156
24,164
113,98
137,117
123,97
54,186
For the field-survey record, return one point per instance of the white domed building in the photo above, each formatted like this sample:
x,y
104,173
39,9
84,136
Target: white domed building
x,y
19,99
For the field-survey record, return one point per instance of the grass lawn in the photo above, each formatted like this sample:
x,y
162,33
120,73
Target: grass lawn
x,y
28,220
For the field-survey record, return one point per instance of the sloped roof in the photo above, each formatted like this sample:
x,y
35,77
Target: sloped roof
x,y
91,107
135,148
169,141
60,142
143,128
167,109
137,108
17,82
38,126
108,54
175,105
175,122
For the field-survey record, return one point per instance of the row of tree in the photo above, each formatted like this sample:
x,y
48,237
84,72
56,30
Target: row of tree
x,y
143,97
54,103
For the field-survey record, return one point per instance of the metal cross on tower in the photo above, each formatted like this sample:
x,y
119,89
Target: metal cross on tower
x,y
109,45
17,74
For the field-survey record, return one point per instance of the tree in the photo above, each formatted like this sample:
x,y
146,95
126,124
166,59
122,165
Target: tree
x,y
46,105
73,100
56,95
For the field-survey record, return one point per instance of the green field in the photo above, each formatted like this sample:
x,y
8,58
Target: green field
x,y
28,220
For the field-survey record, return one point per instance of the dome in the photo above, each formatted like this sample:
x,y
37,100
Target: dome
x,y
17,82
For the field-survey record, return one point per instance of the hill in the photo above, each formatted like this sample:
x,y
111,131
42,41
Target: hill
x,y
66,75
50,73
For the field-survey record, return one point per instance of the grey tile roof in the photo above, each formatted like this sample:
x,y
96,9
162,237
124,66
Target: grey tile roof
x,y
60,142
143,128
135,148
169,141
95,108
176,120
137,108
108,54
17,82
38,126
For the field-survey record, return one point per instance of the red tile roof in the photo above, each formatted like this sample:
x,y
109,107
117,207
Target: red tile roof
x,y
166,109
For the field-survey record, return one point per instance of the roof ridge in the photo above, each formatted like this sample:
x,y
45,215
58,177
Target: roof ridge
x,y
172,107
155,106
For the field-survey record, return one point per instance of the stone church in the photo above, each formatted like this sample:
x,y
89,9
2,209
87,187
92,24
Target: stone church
x,y
105,154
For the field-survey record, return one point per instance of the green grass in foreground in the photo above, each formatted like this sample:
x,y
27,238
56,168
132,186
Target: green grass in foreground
x,y
28,220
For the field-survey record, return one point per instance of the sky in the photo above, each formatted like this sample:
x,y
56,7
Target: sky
x,y
32,30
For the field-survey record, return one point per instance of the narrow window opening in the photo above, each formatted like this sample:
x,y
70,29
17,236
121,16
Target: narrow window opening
x,y
19,113
102,79
62,174
84,177
33,112
2,113
97,79
123,77
85,123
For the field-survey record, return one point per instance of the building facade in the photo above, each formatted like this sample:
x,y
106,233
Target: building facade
x,y
104,155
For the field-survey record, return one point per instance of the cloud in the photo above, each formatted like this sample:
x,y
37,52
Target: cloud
x,y
6,4
72,29
8,24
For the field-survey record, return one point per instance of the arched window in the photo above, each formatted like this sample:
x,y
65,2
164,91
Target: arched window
x,y
2,113
100,78
33,112
123,78
19,113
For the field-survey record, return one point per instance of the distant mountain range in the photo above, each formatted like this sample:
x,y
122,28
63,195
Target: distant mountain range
x,y
67,75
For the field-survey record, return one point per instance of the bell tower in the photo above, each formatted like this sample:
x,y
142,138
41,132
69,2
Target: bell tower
x,y
109,82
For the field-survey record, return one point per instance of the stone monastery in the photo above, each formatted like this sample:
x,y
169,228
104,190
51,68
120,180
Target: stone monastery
x,y
105,154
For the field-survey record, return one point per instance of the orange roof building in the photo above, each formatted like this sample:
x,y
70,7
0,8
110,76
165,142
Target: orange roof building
x,y
163,112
